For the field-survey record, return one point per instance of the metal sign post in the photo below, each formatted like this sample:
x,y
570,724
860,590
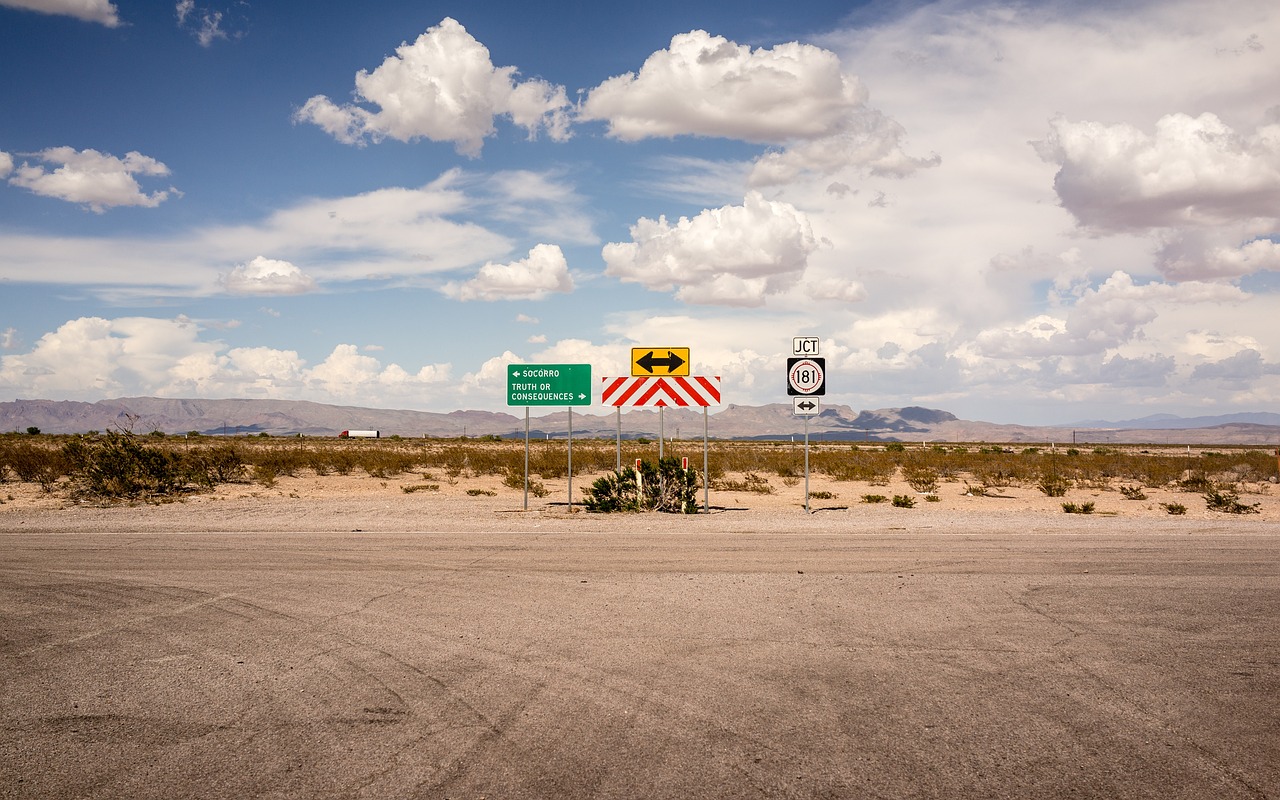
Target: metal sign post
x,y
571,459
548,385
806,465
806,379
707,478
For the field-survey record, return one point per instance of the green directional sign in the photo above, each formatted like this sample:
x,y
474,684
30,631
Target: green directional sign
x,y
549,384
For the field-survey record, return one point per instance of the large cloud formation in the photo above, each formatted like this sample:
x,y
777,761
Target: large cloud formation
x,y
1212,194
734,255
445,88
1194,171
792,94
96,180
94,357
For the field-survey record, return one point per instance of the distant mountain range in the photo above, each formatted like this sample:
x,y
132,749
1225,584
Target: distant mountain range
x,y
774,421
1173,422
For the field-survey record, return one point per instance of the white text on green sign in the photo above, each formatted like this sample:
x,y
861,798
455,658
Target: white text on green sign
x,y
549,384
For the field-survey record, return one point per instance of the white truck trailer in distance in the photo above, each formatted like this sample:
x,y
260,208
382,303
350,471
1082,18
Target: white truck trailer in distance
x,y
359,435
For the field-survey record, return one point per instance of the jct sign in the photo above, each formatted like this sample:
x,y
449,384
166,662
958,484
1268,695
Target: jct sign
x,y
804,345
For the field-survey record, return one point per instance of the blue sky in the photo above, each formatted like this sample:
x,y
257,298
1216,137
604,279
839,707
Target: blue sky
x,y
1026,213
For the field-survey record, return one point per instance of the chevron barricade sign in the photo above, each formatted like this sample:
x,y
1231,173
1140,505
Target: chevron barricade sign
x,y
661,392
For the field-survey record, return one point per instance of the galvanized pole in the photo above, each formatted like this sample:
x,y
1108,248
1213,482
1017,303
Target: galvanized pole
x,y
526,458
570,459
619,460
662,431
806,464
706,476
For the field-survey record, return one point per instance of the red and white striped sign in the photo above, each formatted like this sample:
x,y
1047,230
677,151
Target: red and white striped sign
x,y
656,392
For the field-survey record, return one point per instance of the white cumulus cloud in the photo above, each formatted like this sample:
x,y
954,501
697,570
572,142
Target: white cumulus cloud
x,y
6,164
1193,171
709,86
544,271
267,276
442,87
734,255
96,357
93,357
1100,319
96,180
103,12
1191,256
792,94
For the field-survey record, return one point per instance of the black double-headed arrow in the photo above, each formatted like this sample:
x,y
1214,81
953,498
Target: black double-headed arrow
x,y
807,405
672,362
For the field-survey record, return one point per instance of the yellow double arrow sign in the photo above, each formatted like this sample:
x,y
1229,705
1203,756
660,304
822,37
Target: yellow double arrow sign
x,y
660,361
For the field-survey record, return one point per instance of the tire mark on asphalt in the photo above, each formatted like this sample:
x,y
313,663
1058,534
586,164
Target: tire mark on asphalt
x,y
1135,709
92,596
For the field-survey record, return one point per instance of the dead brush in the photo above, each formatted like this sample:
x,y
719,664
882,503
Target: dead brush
x,y
751,482
923,479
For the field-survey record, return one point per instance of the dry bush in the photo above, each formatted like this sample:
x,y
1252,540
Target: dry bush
x,y
32,461
922,478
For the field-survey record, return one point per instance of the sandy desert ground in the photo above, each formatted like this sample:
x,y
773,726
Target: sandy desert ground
x,y
341,637
411,501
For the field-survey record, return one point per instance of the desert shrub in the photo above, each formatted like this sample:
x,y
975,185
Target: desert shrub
x,y
874,498
275,460
895,447
481,493
1081,508
996,468
975,491
751,482
265,475
1177,509
380,462
1053,485
1228,501
665,487
932,498
514,479
1196,483
617,491
222,463
870,466
822,495
904,501
410,488
121,466
1133,492
32,463
923,479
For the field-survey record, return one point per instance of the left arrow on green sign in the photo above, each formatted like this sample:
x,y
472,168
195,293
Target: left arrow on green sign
x,y
549,384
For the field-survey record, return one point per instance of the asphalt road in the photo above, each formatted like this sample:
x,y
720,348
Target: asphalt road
x,y
646,665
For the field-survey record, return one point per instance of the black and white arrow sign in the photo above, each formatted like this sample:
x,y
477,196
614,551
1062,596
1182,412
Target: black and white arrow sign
x,y
805,406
